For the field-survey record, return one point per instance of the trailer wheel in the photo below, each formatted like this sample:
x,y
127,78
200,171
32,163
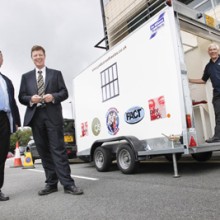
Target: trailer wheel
x,y
202,157
169,157
126,159
102,159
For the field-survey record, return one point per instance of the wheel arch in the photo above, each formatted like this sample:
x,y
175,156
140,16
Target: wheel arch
x,y
133,142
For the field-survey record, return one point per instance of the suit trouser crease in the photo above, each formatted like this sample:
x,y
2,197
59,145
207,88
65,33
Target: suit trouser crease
x,y
50,145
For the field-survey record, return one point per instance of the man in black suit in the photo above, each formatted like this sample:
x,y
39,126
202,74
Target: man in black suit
x,y
9,122
42,90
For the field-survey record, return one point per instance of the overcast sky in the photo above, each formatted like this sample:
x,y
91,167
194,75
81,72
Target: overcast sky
x,y
67,29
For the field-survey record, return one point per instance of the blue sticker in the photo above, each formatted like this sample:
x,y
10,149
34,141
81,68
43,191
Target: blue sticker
x,y
112,121
28,159
157,25
134,115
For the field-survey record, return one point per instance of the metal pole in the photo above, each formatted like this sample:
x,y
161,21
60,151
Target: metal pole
x,y
213,4
173,138
213,7
174,163
104,24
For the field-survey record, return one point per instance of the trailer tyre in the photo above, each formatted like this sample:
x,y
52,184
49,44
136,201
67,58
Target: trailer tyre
x,y
102,159
202,157
126,159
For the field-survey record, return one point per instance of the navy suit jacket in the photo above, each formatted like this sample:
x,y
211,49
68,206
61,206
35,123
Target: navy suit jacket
x,y
12,103
54,84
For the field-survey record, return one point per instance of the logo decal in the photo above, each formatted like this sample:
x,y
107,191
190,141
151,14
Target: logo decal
x,y
134,115
112,121
84,129
157,107
96,126
157,25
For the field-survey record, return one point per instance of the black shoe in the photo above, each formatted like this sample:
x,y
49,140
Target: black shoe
x,y
3,197
213,140
73,190
47,190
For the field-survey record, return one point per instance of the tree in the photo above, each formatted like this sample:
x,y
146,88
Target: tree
x,y
23,136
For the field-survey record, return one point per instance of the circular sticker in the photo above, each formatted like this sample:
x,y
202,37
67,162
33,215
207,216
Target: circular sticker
x,y
96,126
112,121
28,159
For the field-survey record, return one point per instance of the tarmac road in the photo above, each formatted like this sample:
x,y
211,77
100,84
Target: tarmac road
x,y
151,194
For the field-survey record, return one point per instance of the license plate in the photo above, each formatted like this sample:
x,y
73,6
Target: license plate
x,y
68,138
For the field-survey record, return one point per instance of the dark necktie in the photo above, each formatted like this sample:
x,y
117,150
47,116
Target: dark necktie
x,y
40,83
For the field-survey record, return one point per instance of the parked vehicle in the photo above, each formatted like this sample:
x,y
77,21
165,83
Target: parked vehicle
x,y
32,148
135,102
69,140
22,149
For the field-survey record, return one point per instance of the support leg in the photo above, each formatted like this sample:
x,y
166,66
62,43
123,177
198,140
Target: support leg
x,y
176,175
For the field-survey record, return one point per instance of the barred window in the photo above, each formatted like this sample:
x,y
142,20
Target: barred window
x,y
109,82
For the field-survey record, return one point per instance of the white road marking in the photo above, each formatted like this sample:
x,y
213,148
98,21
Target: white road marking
x,y
74,176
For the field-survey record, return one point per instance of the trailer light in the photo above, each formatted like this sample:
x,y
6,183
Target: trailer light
x,y
68,151
188,121
192,142
169,2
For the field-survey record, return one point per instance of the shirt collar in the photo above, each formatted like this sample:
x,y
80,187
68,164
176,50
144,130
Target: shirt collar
x,y
217,60
43,70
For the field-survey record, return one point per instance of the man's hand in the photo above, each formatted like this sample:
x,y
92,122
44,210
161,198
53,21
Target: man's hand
x,y
48,98
36,99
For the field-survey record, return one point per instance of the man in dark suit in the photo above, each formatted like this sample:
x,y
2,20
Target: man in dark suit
x,y
9,122
42,90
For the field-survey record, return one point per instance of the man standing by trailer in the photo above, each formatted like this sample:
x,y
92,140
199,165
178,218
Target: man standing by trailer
x,y
42,90
9,122
212,72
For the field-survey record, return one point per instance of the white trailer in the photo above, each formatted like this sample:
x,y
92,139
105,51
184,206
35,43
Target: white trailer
x,y
135,101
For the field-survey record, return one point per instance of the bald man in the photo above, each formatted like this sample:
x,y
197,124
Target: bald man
x,y
212,72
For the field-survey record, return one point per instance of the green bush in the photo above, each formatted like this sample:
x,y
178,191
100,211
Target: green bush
x,y
23,136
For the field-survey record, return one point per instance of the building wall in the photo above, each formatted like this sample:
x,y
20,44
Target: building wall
x,y
117,12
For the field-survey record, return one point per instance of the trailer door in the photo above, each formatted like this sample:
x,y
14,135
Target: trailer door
x,y
196,37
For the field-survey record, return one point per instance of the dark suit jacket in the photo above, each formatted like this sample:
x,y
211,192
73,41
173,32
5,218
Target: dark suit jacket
x,y
54,84
12,103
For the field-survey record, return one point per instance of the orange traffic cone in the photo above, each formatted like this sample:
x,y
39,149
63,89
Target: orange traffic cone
x,y
17,158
